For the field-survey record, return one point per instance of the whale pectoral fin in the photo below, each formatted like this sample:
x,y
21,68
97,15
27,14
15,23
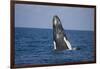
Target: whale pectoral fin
x,y
54,45
68,43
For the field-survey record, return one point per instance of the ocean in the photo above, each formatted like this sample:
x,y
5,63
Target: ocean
x,y
35,46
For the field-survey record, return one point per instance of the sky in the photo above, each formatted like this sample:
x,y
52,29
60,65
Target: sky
x,y
41,16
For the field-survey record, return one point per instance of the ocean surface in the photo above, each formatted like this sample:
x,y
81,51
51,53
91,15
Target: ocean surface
x,y
35,46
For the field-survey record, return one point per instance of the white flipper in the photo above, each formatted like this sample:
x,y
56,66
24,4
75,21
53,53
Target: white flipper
x,y
54,45
68,44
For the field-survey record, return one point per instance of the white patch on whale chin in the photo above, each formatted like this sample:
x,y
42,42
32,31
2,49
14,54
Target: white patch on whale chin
x,y
55,21
54,44
68,44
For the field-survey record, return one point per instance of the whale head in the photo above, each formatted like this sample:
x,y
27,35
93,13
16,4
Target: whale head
x,y
57,24
56,20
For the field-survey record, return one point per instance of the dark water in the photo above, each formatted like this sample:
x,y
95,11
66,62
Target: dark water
x,y
35,46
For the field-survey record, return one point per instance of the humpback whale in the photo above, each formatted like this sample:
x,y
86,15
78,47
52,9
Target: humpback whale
x,y
60,39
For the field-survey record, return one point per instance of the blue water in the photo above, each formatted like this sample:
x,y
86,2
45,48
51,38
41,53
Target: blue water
x,y
35,46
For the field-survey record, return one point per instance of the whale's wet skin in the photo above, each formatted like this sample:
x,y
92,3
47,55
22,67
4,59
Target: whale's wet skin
x,y
60,40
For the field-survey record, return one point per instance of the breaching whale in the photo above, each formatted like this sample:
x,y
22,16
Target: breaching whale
x,y
60,39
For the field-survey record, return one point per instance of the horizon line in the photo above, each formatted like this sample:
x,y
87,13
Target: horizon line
x,y
51,28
